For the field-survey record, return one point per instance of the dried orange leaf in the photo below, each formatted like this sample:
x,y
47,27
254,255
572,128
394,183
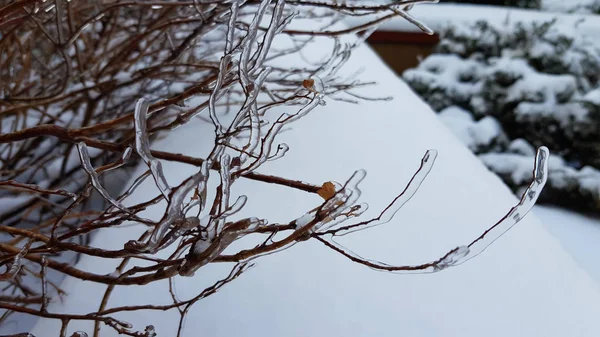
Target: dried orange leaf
x,y
309,84
327,190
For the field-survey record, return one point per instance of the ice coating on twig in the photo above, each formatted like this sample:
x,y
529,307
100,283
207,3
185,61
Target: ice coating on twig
x,y
274,131
174,217
414,21
86,163
339,207
526,203
399,201
206,249
250,108
451,259
270,34
142,147
244,65
216,93
17,263
352,212
225,188
237,206
212,57
282,149
464,253
286,21
124,158
235,6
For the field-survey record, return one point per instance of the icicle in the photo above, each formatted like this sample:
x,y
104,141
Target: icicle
x,y
86,163
247,42
142,147
252,111
236,207
518,212
286,21
412,20
174,217
225,164
410,190
212,100
282,149
231,27
270,34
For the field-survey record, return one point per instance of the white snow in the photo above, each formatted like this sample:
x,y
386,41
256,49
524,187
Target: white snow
x,y
593,97
571,6
578,235
474,134
521,146
437,16
560,175
523,285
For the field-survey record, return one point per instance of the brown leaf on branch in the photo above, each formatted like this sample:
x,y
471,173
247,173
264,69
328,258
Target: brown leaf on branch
x,y
327,190
309,84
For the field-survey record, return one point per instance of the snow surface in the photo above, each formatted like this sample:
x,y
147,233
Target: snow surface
x,y
437,16
474,134
578,235
577,6
523,285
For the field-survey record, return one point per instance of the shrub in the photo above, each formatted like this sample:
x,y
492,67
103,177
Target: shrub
x,y
510,3
538,81
88,85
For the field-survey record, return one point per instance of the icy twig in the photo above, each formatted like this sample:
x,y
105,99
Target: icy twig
x,y
17,263
36,188
399,201
462,254
163,235
142,147
86,163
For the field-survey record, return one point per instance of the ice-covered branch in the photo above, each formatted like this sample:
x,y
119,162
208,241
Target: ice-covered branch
x,y
218,62
388,213
142,147
86,163
463,253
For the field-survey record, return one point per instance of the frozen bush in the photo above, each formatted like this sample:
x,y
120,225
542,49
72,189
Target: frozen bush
x,y
511,3
87,85
577,189
538,81
572,6
480,136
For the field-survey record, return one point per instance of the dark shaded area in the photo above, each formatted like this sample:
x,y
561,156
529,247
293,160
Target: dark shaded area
x,y
510,3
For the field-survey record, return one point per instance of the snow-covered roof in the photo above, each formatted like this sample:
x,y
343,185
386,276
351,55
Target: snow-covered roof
x,y
522,285
436,16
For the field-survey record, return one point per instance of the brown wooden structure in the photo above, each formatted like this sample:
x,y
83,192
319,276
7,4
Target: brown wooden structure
x,y
402,50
